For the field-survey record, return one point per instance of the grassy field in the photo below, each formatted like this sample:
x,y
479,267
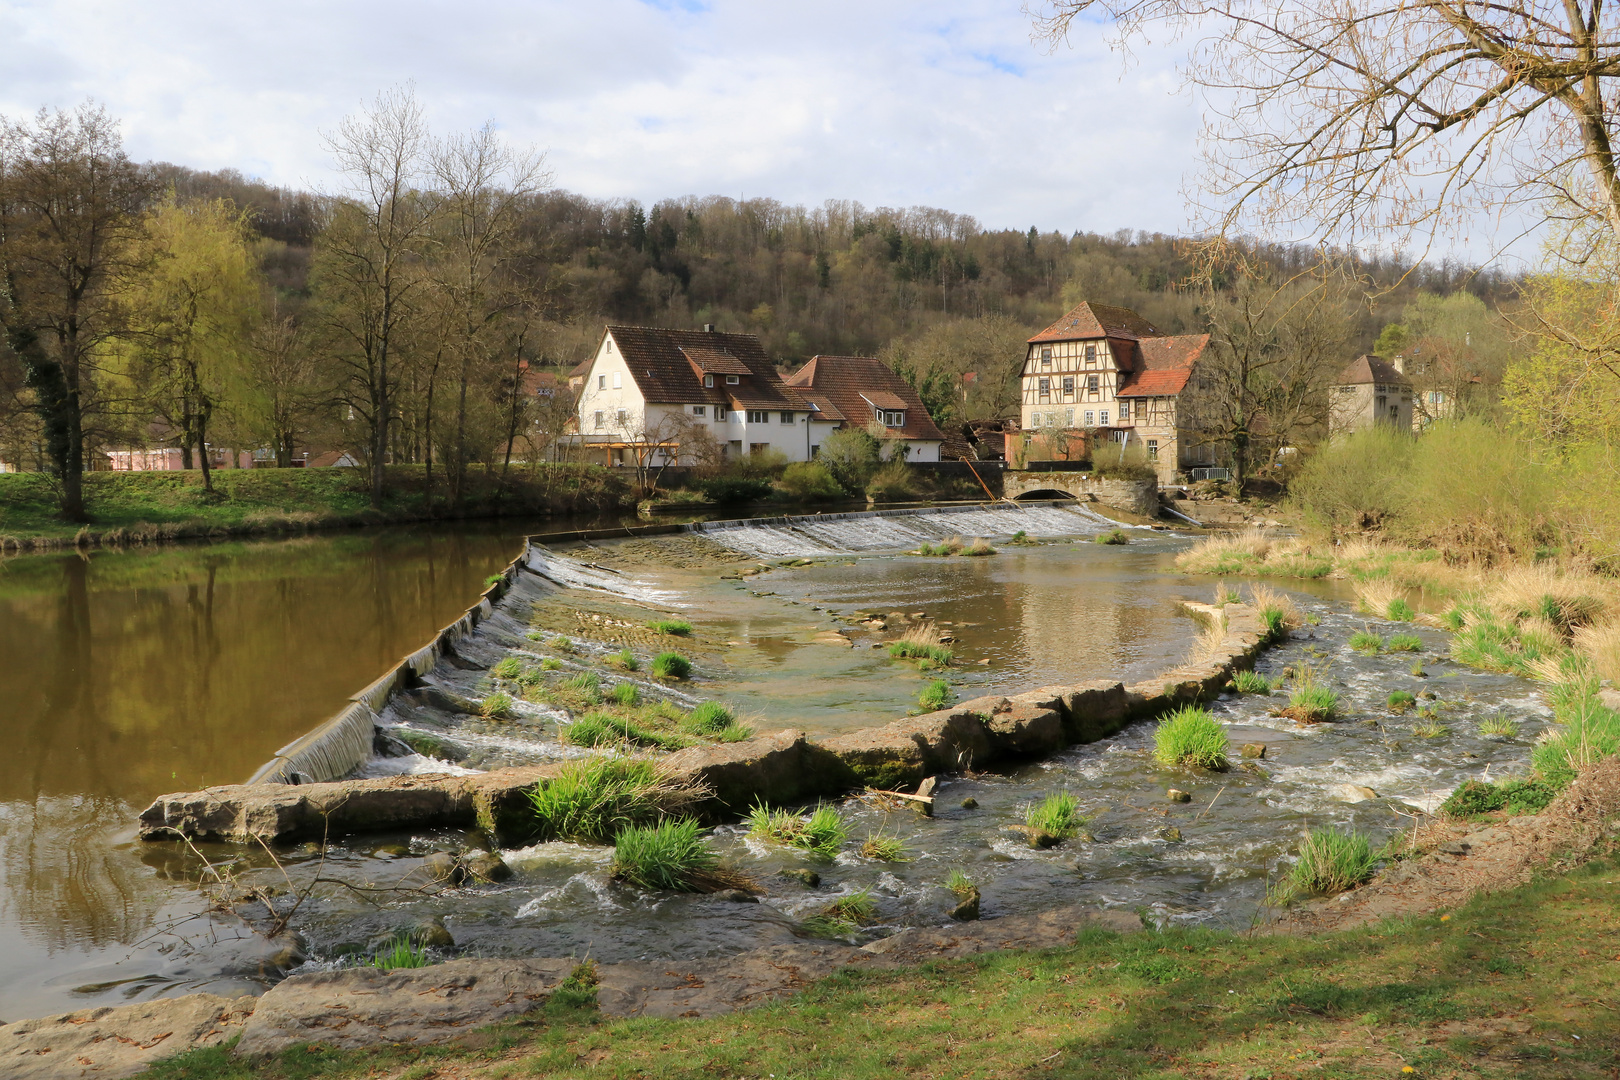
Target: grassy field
x,y
1521,984
154,506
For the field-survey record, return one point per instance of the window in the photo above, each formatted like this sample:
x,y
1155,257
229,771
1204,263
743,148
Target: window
x,y
601,382
708,380
700,410
616,380
731,380
1068,417
1091,356
1153,449
1068,387
610,345
1046,358
893,419
786,418
1436,397
1102,418
1044,386
758,447
815,451
1124,411
624,417
719,414
1091,418
758,416
1034,419
600,416
1091,384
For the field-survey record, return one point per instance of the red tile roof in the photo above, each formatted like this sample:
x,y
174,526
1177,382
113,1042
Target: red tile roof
x,y
660,362
825,409
851,383
714,361
1088,320
1163,365
1370,369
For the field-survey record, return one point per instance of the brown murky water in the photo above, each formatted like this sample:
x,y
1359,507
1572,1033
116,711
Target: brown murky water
x,y
127,674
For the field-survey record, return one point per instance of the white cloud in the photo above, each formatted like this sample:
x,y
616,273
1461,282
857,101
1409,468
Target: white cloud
x,y
891,102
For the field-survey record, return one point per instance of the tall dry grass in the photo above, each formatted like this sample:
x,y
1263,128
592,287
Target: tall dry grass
x,y
1265,598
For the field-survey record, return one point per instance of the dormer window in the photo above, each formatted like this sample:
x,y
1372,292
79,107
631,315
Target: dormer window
x,y
732,380
893,418
708,380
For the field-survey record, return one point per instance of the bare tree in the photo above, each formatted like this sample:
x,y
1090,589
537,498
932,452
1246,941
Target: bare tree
x,y
281,385
70,213
369,261
1391,118
1277,344
483,186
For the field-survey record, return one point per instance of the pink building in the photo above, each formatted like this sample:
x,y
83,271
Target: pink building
x,y
169,459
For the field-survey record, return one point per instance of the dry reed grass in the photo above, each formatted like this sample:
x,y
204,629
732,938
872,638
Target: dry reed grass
x,y
1375,596
1601,646
1209,642
1567,599
1264,597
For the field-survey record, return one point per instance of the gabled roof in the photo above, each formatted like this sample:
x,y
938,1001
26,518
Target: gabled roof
x,y
1163,365
661,361
1087,321
824,408
1370,369
852,384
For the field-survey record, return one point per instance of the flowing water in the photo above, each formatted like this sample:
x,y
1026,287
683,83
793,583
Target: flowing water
x,y
787,647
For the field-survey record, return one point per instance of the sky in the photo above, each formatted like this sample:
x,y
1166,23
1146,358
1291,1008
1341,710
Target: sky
x,y
947,103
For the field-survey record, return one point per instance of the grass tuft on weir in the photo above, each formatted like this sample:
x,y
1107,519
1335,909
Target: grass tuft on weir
x,y
595,799
821,833
1191,737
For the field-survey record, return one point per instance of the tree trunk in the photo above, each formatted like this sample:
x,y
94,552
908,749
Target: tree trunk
x,y
202,450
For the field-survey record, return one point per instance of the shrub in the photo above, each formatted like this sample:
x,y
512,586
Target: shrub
x,y
1191,737
1019,538
1498,725
1331,862
894,482
671,665
1128,462
626,659
626,694
1251,682
730,490
1475,798
605,729
594,800
1404,643
509,668
936,695
709,718
822,833
979,547
677,627
1112,536
497,706
401,953
1057,815
669,855
851,455
1400,700
809,481
1399,611
1590,733
1367,643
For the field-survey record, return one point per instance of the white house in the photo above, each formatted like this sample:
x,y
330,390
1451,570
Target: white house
x,y
860,391
648,388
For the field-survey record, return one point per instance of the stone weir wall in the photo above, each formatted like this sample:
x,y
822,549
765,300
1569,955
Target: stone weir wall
x,y
779,767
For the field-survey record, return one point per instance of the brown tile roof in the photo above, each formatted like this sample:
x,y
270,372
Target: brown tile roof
x,y
714,361
825,409
849,381
1370,369
1163,365
660,361
1088,320
883,399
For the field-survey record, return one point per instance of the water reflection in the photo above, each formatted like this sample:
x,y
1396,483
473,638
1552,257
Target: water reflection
x,y
127,674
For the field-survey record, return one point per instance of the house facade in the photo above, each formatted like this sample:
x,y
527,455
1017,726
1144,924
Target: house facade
x,y
858,391
1108,372
646,390
1370,391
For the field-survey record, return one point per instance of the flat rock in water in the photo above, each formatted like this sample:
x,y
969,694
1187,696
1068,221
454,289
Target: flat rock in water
x,y
359,1007
110,1043
1352,793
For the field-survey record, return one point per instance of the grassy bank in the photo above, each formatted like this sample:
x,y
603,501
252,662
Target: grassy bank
x,y
1519,984
147,507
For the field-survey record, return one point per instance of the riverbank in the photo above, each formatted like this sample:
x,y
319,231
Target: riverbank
x,y
152,507
1514,984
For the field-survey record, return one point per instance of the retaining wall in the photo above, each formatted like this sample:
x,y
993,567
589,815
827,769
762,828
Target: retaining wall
x,y
1137,496
779,767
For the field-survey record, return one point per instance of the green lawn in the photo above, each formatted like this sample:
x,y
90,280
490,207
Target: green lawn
x,y
1522,984
133,507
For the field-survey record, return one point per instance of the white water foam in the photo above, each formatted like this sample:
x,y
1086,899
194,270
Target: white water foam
x,y
574,574
837,534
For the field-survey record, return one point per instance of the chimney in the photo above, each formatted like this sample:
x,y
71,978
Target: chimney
x,y
708,328
1400,364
